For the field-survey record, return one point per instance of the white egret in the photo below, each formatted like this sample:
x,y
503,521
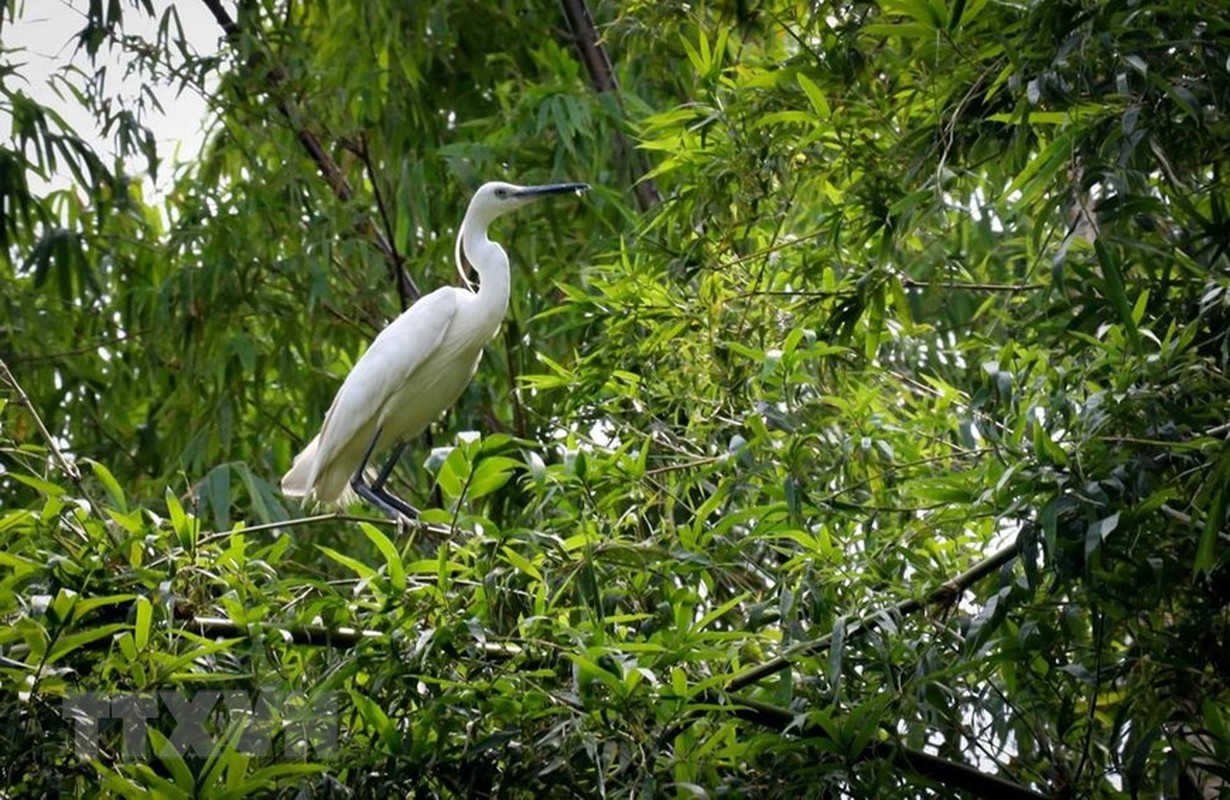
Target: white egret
x,y
416,367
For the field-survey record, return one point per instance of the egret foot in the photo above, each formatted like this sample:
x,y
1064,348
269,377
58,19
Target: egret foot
x,y
392,505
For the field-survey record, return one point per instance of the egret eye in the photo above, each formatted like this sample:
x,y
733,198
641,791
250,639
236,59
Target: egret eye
x,y
501,193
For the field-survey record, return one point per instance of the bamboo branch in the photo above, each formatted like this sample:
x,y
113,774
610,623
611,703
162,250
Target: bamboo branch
x,y
944,594
1011,288
951,774
407,290
308,635
317,635
594,56
417,525
364,153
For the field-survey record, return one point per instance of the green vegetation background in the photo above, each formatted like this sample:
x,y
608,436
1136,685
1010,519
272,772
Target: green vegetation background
x,y
884,429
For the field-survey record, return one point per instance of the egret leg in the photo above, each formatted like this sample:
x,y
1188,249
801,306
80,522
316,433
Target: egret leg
x,y
387,470
375,493
378,486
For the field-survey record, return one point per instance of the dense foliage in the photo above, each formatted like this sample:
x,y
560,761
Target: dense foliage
x,y
879,446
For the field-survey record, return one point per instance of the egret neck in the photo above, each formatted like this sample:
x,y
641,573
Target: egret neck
x,y
490,262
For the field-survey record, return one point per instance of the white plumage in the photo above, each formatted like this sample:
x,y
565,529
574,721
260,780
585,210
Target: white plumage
x,y
416,367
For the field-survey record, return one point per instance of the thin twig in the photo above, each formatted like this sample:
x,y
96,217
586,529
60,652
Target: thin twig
x,y
816,294
66,466
365,155
511,337
1176,514
944,594
1095,691
126,338
791,242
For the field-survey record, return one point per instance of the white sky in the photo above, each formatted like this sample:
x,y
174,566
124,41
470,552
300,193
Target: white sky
x,y
42,39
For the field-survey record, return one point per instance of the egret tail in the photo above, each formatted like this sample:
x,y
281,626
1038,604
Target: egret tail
x,y
295,482
305,481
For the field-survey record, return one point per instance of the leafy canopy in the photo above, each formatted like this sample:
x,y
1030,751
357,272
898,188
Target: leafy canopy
x,y
893,441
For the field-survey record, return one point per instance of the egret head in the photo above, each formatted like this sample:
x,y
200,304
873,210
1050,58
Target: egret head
x,y
495,198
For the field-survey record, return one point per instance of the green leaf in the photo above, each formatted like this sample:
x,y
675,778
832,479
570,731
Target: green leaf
x,y
454,473
1215,516
521,563
819,104
1040,173
919,10
1098,531
186,527
266,778
837,649
224,757
144,620
218,492
1117,294
720,611
377,720
358,567
66,645
491,473
174,763
392,558
114,490
43,487
63,604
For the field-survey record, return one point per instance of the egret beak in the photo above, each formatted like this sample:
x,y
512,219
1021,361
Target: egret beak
x,y
533,192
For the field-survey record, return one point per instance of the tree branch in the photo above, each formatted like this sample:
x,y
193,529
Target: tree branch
x,y
309,635
439,532
944,594
951,774
364,153
407,290
594,56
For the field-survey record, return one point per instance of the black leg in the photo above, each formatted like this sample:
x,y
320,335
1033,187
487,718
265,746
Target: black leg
x,y
367,454
392,505
387,470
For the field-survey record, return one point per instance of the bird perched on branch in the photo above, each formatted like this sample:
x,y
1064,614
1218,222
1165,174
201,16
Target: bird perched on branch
x,y
416,367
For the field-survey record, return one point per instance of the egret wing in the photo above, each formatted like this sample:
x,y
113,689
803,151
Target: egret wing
x,y
380,372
